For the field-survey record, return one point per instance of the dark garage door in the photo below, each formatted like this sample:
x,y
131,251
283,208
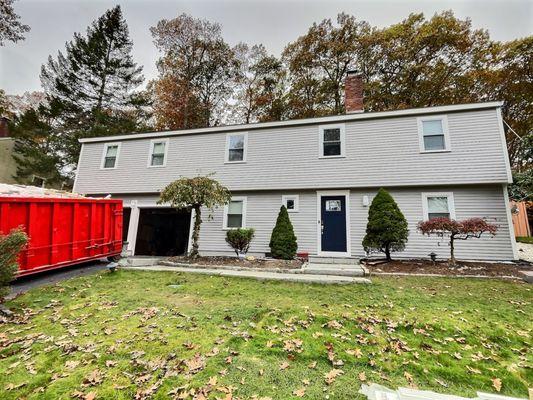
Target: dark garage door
x,y
162,232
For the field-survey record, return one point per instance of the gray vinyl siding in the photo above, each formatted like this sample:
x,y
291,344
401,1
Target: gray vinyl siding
x,y
485,201
379,152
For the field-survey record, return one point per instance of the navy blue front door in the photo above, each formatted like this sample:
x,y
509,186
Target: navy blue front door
x,y
333,221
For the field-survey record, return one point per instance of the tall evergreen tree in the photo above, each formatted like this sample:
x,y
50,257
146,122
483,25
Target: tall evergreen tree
x,y
283,242
10,27
93,83
386,230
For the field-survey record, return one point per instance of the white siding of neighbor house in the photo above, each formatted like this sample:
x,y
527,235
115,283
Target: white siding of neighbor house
x,y
379,152
485,201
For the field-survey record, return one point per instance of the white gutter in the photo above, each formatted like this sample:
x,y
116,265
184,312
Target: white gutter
x,y
295,122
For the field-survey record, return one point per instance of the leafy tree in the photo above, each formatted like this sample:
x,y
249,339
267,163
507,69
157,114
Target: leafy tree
x,y
92,85
283,240
386,230
240,239
318,62
10,27
196,73
522,187
456,230
259,85
193,194
10,247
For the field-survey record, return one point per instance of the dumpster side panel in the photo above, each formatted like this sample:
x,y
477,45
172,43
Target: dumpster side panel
x,y
63,231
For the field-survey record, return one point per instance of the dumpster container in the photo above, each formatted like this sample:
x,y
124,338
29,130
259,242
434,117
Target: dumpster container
x,y
63,231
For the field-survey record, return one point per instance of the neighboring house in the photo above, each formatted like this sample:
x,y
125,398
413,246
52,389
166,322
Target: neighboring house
x,y
8,165
439,161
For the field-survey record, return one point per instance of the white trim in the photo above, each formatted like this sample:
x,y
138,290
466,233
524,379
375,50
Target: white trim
x,y
296,199
504,145
150,153
305,121
245,149
77,170
104,153
510,222
133,227
448,195
342,128
191,225
346,194
445,131
244,200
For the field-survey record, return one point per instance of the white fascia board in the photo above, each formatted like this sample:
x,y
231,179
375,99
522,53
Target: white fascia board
x,y
295,122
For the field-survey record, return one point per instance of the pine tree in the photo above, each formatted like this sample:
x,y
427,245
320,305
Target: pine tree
x,y
283,240
93,83
10,27
386,230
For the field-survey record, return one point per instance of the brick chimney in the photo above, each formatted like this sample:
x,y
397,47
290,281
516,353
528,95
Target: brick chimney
x,y
354,92
4,130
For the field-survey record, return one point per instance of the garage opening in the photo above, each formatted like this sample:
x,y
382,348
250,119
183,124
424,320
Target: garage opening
x,y
126,214
162,232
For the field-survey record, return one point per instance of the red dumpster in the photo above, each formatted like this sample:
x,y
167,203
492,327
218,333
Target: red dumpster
x,y
63,231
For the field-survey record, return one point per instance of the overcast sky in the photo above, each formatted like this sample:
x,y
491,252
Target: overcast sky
x,y
273,23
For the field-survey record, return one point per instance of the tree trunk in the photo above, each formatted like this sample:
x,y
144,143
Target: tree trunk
x,y
387,253
452,254
196,232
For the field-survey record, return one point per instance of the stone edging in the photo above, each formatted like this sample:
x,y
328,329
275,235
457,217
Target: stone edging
x,y
506,277
234,267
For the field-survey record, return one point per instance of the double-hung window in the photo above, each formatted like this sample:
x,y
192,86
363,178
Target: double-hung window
x,y
438,205
236,147
331,141
433,134
110,155
158,153
235,213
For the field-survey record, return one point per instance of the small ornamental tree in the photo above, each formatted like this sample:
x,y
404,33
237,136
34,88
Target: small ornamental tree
x,y
193,194
10,247
386,230
457,230
240,239
283,240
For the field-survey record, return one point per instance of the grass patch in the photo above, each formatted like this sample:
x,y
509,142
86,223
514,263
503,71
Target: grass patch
x,y
525,239
132,333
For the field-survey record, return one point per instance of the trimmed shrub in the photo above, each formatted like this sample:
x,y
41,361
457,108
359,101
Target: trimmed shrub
x,y
240,239
386,230
10,247
283,243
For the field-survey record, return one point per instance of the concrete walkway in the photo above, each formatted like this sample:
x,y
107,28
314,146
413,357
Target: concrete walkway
x,y
260,275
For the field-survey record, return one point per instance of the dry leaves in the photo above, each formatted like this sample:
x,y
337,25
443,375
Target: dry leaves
x,y
497,384
299,392
332,375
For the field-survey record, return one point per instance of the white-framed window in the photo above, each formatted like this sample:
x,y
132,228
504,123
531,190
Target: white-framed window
x,y
438,205
433,134
332,141
236,147
110,155
291,202
158,153
235,213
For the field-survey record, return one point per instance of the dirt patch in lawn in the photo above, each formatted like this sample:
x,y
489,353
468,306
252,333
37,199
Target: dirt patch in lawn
x,y
442,268
235,262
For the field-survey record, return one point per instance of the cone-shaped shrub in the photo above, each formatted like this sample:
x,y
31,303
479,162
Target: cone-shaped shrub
x,y
386,230
283,241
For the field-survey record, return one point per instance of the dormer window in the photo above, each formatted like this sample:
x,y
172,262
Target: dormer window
x,y
110,155
236,147
433,134
158,153
331,141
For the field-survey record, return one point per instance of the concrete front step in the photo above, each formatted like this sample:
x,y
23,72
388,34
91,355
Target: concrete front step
x,y
304,278
335,269
333,260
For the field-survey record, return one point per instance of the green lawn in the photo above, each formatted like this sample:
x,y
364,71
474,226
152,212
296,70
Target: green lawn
x,y
131,333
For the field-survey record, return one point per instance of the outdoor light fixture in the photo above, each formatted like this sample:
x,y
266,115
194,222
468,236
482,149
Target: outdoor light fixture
x,y
365,201
433,257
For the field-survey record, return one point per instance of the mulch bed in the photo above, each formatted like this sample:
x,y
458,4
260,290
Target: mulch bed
x,y
234,261
442,268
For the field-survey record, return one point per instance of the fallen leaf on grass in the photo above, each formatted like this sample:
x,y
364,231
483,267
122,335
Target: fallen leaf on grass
x,y
497,384
332,375
355,352
362,376
284,365
195,364
299,392
93,379
12,386
71,364
312,365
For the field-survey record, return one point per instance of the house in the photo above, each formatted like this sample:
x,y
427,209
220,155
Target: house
x,y
437,161
8,165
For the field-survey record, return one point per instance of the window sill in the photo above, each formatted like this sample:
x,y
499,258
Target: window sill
x,y
341,156
235,162
229,229
107,169
434,151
